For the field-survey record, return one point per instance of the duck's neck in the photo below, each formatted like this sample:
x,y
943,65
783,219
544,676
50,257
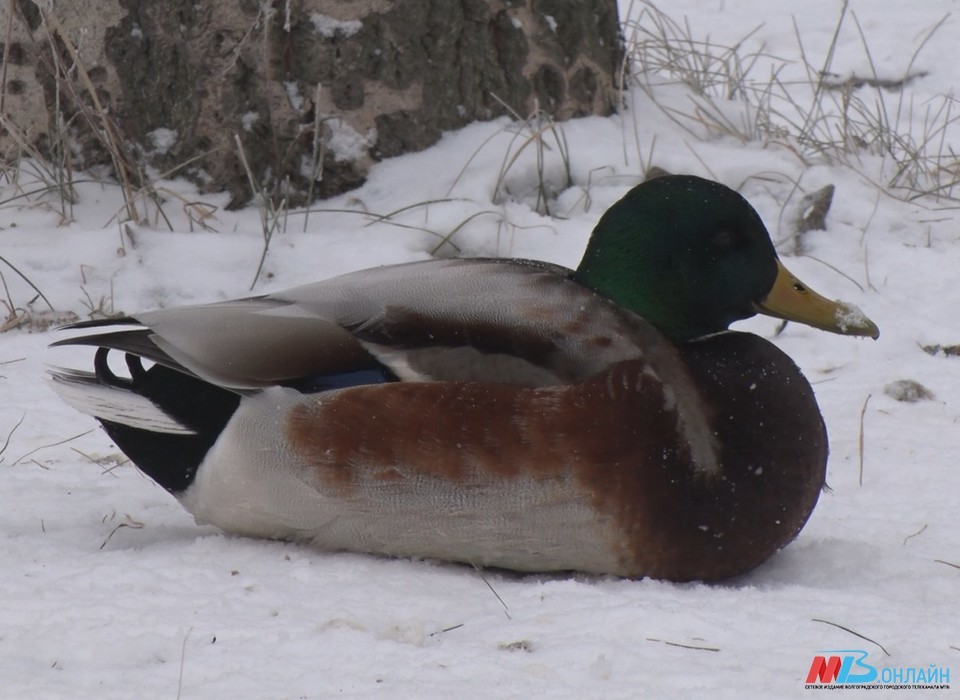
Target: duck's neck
x,y
633,279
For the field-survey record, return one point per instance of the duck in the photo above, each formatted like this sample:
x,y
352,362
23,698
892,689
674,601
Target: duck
x,y
502,413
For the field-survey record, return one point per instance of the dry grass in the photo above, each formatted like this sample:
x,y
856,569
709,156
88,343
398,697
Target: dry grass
x,y
273,212
820,118
543,137
855,634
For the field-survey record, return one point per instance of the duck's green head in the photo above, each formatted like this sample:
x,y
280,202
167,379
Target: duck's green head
x,y
692,256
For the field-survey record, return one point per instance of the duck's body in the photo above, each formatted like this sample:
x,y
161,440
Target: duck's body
x,y
500,413
484,472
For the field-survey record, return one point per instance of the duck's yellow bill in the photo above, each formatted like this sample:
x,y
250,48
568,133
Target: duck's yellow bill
x,y
792,300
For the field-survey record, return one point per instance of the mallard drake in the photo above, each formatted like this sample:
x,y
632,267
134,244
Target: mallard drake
x,y
506,413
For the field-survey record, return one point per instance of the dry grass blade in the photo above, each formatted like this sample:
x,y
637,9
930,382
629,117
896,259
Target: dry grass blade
x,y
52,444
836,269
317,155
827,63
6,443
915,534
31,163
506,610
27,280
7,44
538,126
683,646
377,218
183,658
270,214
470,160
103,462
863,410
446,239
98,118
534,131
855,634
128,522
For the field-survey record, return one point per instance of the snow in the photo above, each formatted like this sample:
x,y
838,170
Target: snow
x,y
111,591
345,142
293,95
248,119
329,27
163,139
850,316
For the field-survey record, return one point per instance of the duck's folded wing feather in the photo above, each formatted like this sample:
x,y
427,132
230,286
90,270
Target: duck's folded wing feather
x,y
242,344
489,320
512,321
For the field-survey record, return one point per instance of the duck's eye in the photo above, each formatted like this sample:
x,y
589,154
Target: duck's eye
x,y
799,287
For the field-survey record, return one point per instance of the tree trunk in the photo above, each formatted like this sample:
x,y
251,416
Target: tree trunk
x,y
314,90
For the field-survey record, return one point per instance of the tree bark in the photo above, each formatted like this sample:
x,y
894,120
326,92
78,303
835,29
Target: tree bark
x,y
314,90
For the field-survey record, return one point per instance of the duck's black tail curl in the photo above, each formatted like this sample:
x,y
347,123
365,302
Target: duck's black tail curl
x,y
163,419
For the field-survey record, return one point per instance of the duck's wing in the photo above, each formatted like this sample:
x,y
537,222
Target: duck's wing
x,y
508,321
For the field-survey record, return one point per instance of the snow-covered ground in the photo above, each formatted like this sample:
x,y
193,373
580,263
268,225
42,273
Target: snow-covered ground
x,y
109,590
